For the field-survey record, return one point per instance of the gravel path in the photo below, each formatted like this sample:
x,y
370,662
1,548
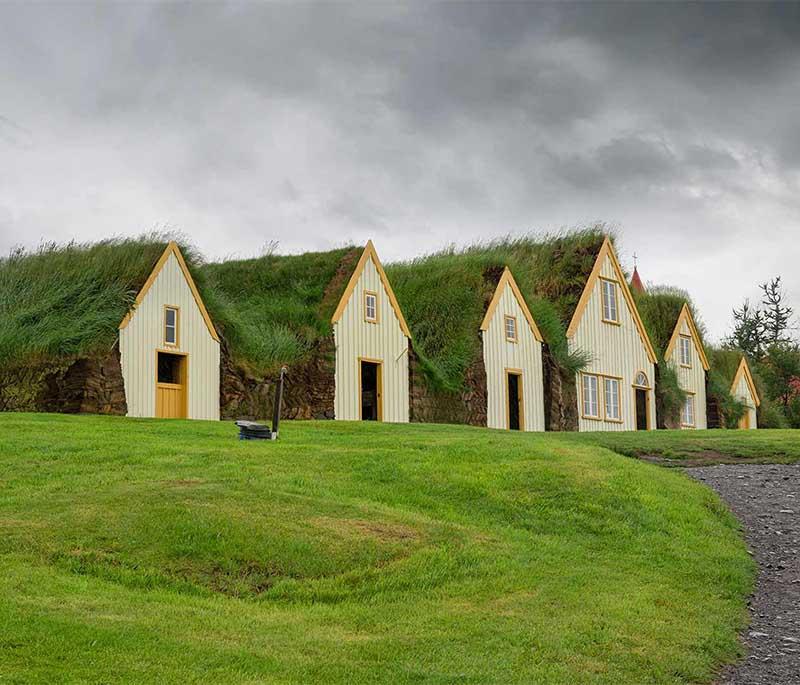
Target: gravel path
x,y
766,499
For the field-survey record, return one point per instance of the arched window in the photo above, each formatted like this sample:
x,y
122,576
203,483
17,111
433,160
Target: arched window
x,y
641,380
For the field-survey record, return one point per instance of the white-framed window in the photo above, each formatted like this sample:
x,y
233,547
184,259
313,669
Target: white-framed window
x,y
610,308
510,325
687,413
686,351
170,325
591,400
641,380
611,389
371,307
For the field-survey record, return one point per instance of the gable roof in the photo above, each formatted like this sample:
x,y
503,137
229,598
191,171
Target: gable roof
x,y
370,253
507,280
607,250
744,370
686,315
171,249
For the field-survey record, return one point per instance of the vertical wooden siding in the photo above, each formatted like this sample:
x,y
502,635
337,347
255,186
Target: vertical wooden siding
x,y
692,380
383,341
743,394
615,351
525,355
140,339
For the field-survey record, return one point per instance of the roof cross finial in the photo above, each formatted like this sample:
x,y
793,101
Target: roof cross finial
x,y
635,257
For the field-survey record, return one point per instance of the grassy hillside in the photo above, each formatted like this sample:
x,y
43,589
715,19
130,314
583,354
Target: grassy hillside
x,y
157,551
714,446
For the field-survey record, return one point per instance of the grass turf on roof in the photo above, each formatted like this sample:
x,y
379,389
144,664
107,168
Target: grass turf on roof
x,y
444,295
68,300
273,309
660,306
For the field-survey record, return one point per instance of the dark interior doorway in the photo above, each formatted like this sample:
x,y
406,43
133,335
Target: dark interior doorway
x,y
514,389
641,409
170,368
370,391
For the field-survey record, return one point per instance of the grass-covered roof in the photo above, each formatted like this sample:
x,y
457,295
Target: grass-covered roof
x,y
444,295
660,306
273,309
68,300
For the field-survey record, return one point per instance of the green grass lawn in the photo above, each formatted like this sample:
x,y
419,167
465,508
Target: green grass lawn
x,y
710,446
154,551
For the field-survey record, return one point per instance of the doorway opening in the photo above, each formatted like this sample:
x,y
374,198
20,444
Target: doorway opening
x,y
171,393
641,409
514,400
371,391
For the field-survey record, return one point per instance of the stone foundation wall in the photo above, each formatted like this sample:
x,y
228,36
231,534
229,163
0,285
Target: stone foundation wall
x,y
560,396
308,391
91,385
430,406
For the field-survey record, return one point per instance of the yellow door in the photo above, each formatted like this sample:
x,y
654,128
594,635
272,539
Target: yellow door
x,y
171,395
744,423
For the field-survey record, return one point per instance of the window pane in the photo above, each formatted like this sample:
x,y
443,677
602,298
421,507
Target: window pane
x,y
170,314
612,398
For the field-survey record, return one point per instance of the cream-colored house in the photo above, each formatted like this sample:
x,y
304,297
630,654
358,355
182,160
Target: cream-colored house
x,y
372,342
169,349
686,354
512,355
743,389
615,390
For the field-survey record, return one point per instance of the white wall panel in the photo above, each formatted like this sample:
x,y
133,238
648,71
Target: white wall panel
x,y
615,351
385,341
743,394
144,335
691,380
525,355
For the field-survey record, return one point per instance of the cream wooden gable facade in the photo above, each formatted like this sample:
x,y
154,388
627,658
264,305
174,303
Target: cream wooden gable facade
x,y
616,389
743,389
169,349
512,347
685,353
372,343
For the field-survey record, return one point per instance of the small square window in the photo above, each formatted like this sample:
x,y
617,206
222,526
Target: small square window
x,y
370,307
511,329
170,325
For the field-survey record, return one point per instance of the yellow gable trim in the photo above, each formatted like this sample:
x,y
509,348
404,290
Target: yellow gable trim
x,y
686,315
507,279
744,370
171,249
370,253
607,250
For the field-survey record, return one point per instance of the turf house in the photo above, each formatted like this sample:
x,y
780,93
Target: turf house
x,y
616,387
330,317
743,388
686,354
118,327
512,354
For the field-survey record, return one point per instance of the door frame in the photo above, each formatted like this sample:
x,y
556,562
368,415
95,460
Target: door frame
x,y
520,398
647,390
184,380
378,386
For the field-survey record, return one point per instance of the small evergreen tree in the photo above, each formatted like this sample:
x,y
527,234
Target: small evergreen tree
x,y
749,331
776,316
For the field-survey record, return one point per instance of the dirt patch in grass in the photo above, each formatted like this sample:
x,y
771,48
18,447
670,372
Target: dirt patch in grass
x,y
385,532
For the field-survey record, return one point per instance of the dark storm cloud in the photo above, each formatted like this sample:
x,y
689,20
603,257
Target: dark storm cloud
x,y
416,125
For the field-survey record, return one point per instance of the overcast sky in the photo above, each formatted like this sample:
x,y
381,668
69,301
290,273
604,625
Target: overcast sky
x,y
416,126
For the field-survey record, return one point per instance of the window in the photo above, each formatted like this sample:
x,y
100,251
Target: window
x,y
612,399
511,329
370,307
641,380
170,325
687,413
591,407
686,352
610,310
